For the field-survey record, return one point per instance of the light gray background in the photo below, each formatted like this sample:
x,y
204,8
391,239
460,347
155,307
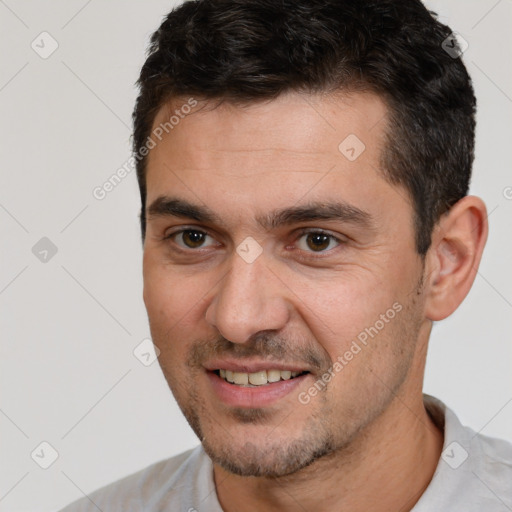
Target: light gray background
x,y
69,326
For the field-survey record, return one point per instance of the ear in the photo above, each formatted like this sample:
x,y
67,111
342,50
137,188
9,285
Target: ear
x,y
453,258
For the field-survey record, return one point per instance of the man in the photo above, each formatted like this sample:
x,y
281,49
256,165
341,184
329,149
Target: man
x,y
304,170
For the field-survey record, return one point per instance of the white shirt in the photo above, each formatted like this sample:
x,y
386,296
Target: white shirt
x,y
474,474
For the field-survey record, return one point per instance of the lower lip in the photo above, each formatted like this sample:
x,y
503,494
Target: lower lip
x,y
252,397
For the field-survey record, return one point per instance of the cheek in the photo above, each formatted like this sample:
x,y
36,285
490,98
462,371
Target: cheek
x,y
341,309
174,302
167,293
166,314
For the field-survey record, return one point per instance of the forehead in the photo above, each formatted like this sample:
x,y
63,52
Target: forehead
x,y
271,154
294,122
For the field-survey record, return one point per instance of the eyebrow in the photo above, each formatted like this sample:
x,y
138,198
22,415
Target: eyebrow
x,y
165,206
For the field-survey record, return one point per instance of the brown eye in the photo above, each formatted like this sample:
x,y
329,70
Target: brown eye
x,y
190,238
317,241
193,239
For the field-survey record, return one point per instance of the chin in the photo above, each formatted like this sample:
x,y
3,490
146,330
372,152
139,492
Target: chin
x,y
265,459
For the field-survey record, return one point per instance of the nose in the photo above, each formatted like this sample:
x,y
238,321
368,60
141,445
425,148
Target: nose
x,y
249,299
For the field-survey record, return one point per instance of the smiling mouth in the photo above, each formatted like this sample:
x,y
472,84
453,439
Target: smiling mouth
x,y
261,378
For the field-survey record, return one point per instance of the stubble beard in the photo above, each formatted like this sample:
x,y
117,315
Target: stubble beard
x,y
322,435
275,457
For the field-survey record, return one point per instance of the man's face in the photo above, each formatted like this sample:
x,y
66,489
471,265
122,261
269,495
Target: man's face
x,y
300,295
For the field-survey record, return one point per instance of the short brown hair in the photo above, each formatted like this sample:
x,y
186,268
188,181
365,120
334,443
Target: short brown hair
x,y
243,51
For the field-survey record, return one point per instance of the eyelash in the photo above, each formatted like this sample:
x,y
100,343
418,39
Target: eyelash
x,y
302,232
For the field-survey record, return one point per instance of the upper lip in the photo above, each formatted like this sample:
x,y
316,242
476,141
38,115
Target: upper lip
x,y
251,366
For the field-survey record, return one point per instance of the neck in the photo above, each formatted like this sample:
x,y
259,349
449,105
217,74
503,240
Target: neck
x,y
387,467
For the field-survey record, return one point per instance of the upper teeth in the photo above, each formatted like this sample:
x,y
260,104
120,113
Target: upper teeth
x,y
257,378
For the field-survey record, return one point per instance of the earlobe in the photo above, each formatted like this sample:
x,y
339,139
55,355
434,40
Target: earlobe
x,y
453,258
